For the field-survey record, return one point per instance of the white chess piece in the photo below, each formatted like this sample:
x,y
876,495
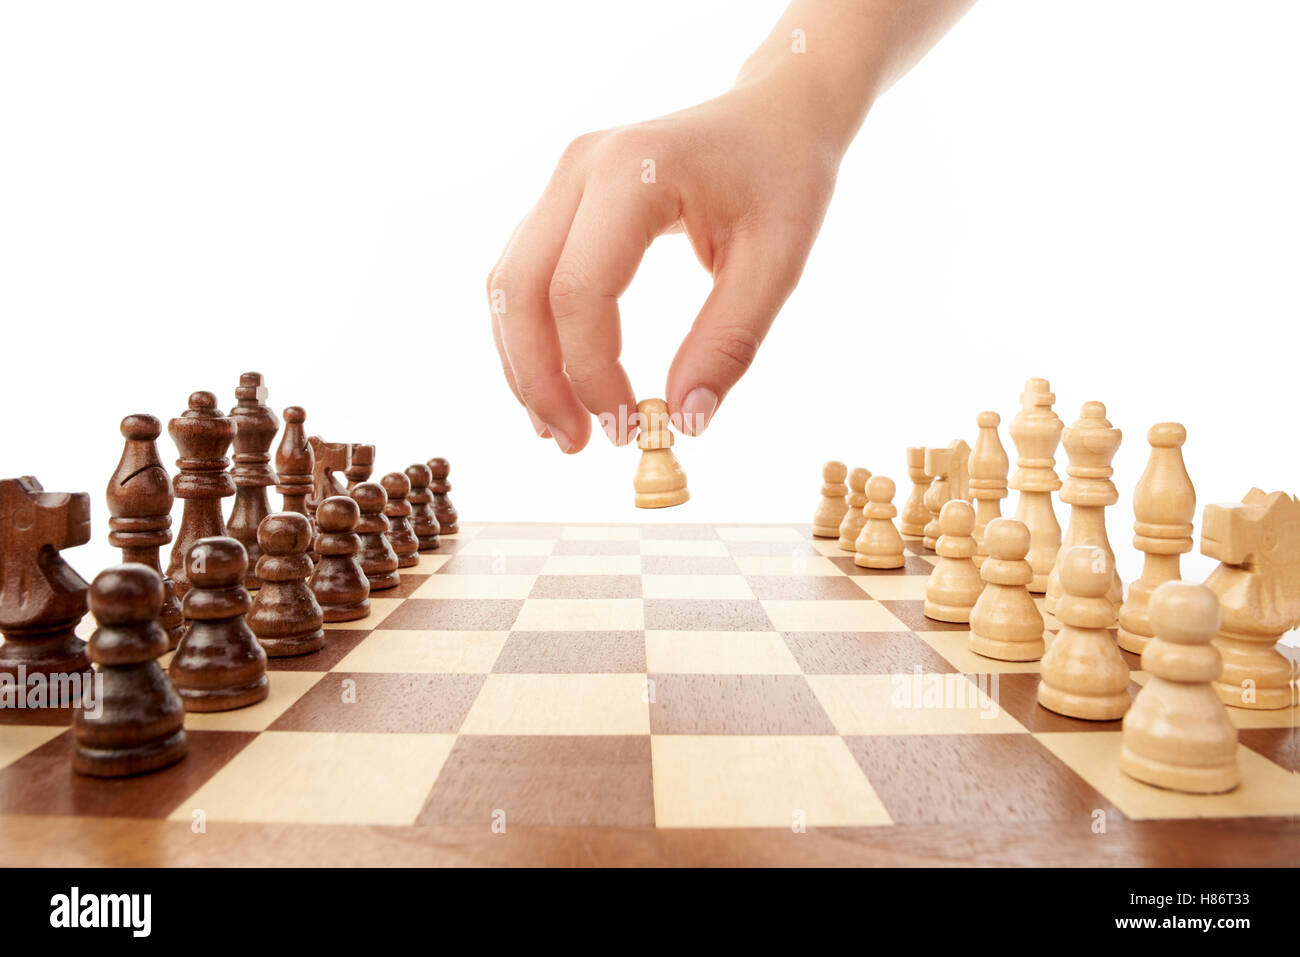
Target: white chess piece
x,y
659,481
1005,623
1177,734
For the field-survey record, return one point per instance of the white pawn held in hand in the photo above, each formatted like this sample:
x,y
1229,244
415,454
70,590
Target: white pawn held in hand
x,y
659,481
1005,623
954,586
1177,734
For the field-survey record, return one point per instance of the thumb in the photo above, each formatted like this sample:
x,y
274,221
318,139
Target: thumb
x,y
749,290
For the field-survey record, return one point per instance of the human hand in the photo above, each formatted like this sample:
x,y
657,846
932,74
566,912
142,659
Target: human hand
x,y
746,176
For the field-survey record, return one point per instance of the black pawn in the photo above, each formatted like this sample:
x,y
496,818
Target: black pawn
x,y
219,664
134,720
285,616
448,523
378,560
339,583
398,511
423,522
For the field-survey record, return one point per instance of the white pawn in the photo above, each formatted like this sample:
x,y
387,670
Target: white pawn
x,y
1177,734
831,509
954,586
851,524
659,481
879,544
1083,673
1005,623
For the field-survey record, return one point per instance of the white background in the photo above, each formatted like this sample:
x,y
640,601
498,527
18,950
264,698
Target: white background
x,y
1101,193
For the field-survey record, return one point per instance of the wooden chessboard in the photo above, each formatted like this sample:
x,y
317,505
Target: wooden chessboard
x,y
663,694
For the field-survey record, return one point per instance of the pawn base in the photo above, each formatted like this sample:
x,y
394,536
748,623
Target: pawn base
x,y
957,614
670,498
879,561
1087,707
290,647
1208,779
1000,650
1260,699
384,582
224,699
348,612
125,762
428,543
1131,641
408,561
451,529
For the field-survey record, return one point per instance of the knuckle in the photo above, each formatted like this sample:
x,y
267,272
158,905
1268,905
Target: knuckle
x,y
736,344
579,149
566,289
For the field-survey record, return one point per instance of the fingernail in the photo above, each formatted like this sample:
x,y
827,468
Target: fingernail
x,y
697,410
562,440
538,425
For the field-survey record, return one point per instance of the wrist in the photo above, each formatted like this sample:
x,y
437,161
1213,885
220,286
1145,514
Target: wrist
x,y
828,99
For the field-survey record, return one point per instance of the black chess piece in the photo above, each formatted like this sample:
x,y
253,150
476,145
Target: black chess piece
x,y
339,582
41,597
133,722
285,616
361,465
398,512
202,435
378,560
448,522
294,462
219,664
140,502
255,428
423,521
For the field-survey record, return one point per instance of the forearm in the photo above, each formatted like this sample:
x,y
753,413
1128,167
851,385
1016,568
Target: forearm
x,y
842,54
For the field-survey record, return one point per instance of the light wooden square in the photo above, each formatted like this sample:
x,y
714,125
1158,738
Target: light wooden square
x,y
325,778
697,547
380,608
592,565
910,704
286,688
509,546
722,587
798,562
837,615
581,614
18,739
1265,789
893,587
719,652
954,646
429,562
760,781
560,704
758,533
426,652
601,533
476,586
